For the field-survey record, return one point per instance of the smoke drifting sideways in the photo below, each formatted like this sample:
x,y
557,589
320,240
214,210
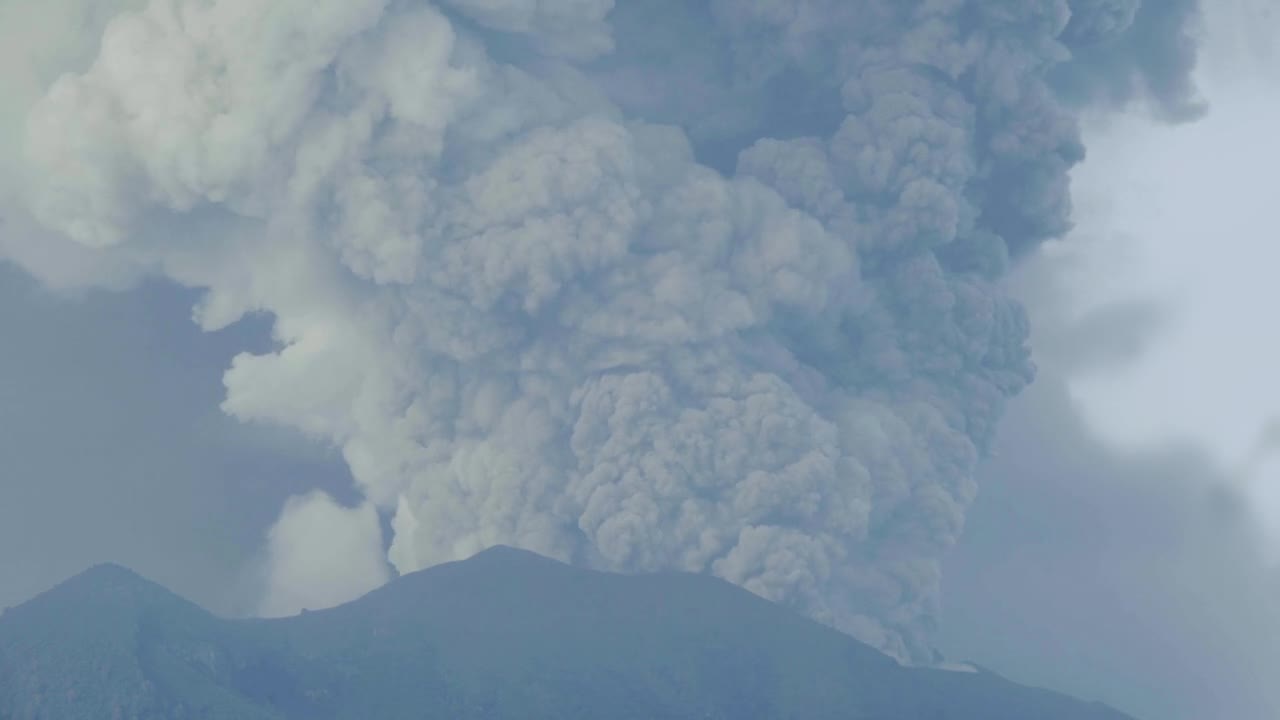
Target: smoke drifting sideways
x,y
710,286
1127,47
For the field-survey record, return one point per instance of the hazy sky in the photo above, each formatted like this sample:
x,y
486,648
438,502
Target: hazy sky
x,y
1124,546
1119,548
1182,217
115,450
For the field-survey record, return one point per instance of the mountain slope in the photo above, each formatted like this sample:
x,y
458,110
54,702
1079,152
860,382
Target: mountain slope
x,y
109,644
506,634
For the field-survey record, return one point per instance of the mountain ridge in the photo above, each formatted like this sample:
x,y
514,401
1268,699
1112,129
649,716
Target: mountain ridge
x,y
504,634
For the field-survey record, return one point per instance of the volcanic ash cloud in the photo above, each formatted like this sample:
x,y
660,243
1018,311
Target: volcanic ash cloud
x,y
662,285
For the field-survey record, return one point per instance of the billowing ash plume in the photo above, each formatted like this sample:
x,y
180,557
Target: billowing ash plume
x,y
710,286
1125,47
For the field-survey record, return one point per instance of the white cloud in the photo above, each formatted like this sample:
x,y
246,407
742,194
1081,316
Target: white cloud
x,y
320,554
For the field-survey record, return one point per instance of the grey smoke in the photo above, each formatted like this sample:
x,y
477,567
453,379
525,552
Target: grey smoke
x,y
1124,49
705,286
1148,569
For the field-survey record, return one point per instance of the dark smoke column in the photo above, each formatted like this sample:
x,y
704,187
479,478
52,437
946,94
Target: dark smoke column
x,y
667,285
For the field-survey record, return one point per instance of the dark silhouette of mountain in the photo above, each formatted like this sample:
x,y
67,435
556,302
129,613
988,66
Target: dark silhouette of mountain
x,y
506,634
